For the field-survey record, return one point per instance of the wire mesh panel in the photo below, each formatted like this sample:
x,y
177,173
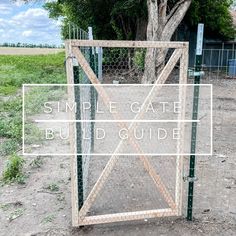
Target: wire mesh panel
x,y
125,187
85,94
72,31
82,95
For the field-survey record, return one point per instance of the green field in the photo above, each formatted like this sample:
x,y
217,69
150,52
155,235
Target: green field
x,y
15,71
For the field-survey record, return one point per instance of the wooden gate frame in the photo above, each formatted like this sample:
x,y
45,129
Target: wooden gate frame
x,y
180,54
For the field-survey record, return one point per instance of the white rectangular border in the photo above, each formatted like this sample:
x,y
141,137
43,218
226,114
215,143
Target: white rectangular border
x,y
119,154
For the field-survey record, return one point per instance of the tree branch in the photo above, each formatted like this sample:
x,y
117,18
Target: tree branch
x,y
152,26
163,7
176,19
174,9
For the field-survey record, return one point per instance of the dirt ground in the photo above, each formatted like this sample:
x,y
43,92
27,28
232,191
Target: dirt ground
x,y
28,51
43,205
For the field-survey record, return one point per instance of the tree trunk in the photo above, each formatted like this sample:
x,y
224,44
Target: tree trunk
x,y
161,27
141,29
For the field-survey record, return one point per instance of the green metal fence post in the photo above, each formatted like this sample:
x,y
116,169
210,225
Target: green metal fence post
x,y
93,100
78,139
197,78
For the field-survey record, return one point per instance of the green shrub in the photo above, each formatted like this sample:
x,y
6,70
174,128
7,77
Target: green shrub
x,y
52,187
13,105
115,56
36,163
14,170
37,96
11,127
8,90
33,134
11,119
8,147
139,59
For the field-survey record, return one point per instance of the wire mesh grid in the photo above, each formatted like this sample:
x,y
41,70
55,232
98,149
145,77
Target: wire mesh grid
x,y
72,31
85,94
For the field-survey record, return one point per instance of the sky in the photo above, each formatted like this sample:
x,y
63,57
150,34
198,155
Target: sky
x,y
27,23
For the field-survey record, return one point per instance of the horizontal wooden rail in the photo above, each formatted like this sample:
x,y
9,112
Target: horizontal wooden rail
x,y
127,44
126,216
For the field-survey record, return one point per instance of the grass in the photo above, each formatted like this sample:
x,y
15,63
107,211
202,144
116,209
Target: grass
x,y
11,105
11,125
52,187
37,96
11,118
14,170
5,207
18,70
48,219
16,213
15,71
15,209
33,135
8,147
8,89
36,163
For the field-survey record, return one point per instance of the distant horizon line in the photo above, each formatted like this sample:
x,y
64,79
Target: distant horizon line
x,y
32,45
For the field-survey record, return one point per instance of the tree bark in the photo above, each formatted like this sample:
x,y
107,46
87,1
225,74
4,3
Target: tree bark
x,y
161,27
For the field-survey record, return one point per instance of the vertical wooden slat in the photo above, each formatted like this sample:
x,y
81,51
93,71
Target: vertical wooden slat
x,y
72,130
183,76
